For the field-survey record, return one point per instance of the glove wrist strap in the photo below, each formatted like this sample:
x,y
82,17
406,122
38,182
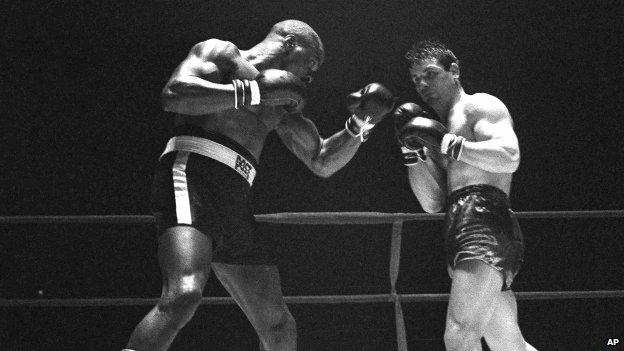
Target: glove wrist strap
x,y
255,93
358,128
452,145
246,93
413,157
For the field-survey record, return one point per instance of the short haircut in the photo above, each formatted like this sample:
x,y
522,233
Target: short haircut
x,y
431,49
304,35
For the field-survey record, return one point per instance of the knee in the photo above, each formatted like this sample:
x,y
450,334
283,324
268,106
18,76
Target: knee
x,y
180,306
279,324
280,319
460,336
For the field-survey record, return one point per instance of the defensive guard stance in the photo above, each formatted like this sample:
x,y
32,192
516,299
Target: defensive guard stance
x,y
465,165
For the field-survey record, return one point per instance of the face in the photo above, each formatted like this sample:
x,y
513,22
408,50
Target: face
x,y
300,61
433,83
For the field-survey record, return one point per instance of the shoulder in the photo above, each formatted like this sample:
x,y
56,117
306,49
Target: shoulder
x,y
298,127
294,122
483,105
213,49
483,102
299,135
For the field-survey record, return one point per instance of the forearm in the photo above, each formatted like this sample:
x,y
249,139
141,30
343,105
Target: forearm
x,y
428,183
195,96
335,152
491,155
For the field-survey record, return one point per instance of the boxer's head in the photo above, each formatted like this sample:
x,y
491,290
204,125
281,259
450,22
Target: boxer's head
x,y
434,70
301,50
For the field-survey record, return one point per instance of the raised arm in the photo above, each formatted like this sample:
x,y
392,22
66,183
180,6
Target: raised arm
x,y
326,156
425,172
428,182
495,148
322,156
198,86
195,87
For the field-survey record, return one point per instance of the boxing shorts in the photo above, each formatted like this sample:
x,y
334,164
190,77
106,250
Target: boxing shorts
x,y
203,180
480,225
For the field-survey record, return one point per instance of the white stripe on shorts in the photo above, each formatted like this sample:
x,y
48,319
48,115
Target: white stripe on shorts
x,y
180,189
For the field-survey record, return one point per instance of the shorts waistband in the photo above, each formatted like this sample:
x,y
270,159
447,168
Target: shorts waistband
x,y
489,191
215,151
196,131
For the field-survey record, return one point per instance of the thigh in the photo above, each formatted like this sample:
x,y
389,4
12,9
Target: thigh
x,y
184,256
474,288
256,289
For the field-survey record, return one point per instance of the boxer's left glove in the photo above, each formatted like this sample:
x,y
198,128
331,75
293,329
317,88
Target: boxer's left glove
x,y
368,106
412,151
272,87
433,135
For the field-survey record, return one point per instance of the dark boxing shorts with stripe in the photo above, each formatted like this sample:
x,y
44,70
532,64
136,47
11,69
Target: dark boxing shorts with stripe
x,y
204,180
480,225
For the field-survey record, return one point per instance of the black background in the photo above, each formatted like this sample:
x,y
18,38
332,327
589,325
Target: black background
x,y
82,127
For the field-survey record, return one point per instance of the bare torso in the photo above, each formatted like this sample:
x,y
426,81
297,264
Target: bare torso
x,y
459,174
250,126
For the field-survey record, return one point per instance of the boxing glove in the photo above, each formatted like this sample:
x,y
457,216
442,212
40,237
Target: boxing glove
x,y
272,87
374,101
411,150
368,106
433,135
402,115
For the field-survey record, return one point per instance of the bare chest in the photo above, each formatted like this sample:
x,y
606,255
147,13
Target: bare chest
x,y
247,127
458,123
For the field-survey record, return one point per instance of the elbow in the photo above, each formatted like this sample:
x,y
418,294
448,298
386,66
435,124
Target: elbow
x,y
169,97
167,104
431,204
514,161
167,100
432,208
323,172
322,169
514,166
321,166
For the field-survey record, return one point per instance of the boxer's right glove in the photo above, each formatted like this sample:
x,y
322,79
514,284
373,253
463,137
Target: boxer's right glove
x,y
368,106
411,149
272,87
433,135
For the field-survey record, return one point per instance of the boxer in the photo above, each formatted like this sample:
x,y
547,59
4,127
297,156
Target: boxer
x,y
464,164
225,102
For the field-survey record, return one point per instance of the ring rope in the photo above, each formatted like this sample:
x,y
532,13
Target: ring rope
x,y
318,218
395,257
305,217
313,299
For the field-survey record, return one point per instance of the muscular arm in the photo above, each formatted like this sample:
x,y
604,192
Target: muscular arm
x,y
428,182
322,156
495,148
194,87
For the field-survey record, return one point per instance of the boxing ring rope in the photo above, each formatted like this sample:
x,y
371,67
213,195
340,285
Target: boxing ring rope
x,y
317,218
304,217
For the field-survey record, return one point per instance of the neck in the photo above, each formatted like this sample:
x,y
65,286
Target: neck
x,y
442,107
264,55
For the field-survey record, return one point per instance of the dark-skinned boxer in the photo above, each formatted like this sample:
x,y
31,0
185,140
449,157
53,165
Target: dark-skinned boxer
x,y
226,101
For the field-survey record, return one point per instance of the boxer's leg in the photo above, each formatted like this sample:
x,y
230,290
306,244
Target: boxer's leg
x,y
184,256
257,290
474,287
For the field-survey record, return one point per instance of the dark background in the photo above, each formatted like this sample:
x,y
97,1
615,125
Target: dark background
x,y
82,128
